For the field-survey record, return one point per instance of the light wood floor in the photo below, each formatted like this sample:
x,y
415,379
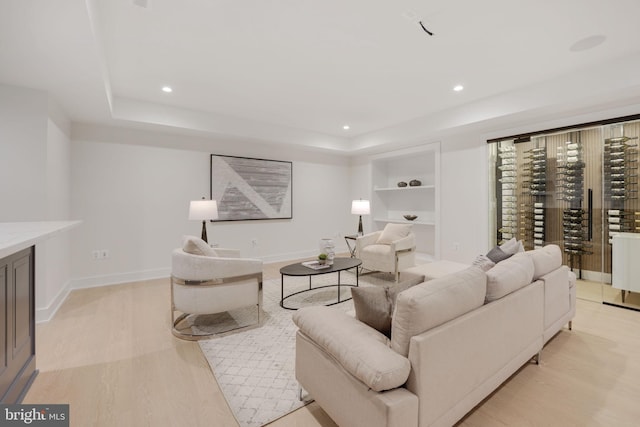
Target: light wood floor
x,y
109,353
598,292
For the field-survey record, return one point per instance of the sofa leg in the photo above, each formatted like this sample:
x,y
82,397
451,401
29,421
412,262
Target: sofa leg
x,y
570,324
300,393
536,358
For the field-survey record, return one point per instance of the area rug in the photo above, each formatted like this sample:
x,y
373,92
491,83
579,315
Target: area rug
x,y
255,368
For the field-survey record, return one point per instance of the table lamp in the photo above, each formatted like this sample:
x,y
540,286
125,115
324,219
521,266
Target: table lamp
x,y
360,207
203,210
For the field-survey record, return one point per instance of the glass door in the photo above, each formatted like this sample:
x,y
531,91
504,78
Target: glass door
x,y
621,255
577,188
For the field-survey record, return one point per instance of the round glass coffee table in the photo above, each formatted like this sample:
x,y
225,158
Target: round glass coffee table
x,y
298,269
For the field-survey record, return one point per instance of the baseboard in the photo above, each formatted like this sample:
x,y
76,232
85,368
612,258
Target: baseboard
x,y
116,279
289,256
47,313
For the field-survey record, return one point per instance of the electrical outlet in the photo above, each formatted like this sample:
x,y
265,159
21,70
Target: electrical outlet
x,y
456,246
100,254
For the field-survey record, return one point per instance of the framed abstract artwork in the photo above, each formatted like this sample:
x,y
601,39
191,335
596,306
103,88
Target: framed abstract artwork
x,y
247,188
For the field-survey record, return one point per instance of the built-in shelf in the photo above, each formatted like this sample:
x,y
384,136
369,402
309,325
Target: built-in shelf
x,y
389,203
407,188
405,221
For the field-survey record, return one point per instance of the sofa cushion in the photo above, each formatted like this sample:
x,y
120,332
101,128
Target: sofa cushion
x,y
374,304
196,246
545,260
436,269
359,349
435,302
393,232
509,275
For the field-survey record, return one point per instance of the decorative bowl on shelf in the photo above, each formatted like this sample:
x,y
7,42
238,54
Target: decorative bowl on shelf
x,y
410,217
402,184
415,183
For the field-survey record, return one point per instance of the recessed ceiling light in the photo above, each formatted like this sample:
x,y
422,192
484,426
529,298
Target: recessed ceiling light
x,y
346,127
458,88
167,89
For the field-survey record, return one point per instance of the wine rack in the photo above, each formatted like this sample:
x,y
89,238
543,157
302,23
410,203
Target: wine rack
x,y
620,165
575,233
534,184
508,200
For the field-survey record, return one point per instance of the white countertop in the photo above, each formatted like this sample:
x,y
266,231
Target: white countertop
x,y
624,235
15,236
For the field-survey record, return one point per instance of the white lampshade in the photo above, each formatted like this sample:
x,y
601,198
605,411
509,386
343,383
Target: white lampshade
x,y
203,210
360,207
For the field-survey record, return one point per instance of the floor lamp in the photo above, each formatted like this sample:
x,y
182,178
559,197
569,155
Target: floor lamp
x,y
203,210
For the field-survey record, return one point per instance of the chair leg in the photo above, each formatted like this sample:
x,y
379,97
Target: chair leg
x,y
570,325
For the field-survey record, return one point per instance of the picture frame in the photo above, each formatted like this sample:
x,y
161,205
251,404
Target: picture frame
x,y
247,188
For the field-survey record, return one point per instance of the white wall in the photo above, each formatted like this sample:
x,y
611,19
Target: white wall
x,y
133,200
464,201
53,277
361,188
23,128
34,183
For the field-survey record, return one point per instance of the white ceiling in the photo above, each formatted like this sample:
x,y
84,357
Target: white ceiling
x,y
296,71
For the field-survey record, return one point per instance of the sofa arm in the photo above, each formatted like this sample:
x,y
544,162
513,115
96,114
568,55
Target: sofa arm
x,y
557,295
360,350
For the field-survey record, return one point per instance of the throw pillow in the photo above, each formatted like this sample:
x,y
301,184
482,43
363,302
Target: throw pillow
x,y
510,247
195,246
393,232
372,307
496,255
394,290
483,262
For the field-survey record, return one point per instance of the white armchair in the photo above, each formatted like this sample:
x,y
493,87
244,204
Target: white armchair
x,y
390,250
207,281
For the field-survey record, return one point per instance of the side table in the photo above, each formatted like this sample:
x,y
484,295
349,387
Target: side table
x,y
348,238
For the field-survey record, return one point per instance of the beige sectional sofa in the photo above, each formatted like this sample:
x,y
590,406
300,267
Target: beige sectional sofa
x,y
454,339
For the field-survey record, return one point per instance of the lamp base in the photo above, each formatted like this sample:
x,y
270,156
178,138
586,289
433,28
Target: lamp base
x,y
203,236
360,231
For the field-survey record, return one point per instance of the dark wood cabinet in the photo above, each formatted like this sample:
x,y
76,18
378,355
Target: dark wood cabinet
x,y
17,325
